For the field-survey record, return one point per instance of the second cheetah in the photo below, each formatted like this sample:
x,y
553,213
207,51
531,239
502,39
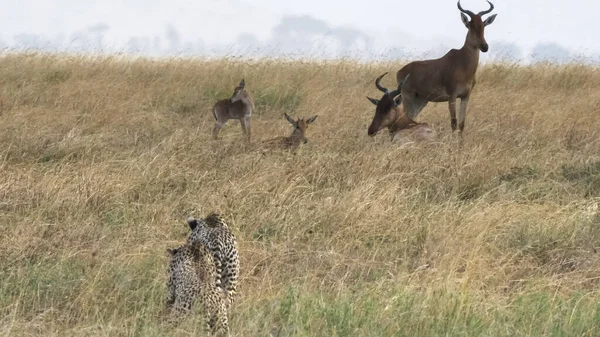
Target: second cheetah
x,y
190,279
216,235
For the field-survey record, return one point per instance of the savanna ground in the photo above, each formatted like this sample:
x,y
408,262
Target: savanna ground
x,y
102,160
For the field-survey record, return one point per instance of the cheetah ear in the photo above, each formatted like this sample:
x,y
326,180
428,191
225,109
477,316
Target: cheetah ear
x,y
193,223
172,251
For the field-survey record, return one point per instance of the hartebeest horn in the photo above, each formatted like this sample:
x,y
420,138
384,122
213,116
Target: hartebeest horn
x,y
471,14
488,11
399,90
395,92
379,85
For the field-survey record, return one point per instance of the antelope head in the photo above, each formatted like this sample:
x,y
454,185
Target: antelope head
x,y
300,126
475,25
239,92
387,109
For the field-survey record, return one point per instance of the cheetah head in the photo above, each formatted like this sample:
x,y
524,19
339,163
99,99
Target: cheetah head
x,y
212,220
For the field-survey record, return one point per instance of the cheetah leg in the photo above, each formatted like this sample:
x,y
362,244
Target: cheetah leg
x,y
183,305
231,272
219,270
218,322
170,298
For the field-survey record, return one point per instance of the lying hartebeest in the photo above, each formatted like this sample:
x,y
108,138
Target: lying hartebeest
x,y
414,133
239,106
441,80
297,137
401,128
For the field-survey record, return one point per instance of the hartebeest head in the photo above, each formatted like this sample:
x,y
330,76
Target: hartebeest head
x,y
300,126
475,25
297,137
239,92
387,111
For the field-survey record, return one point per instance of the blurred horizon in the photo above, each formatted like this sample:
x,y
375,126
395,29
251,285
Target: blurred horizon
x,y
266,29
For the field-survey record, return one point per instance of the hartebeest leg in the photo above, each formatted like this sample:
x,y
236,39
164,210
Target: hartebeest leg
x,y
412,106
244,131
452,108
462,114
216,129
246,122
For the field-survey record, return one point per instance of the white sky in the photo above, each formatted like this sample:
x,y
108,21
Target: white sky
x,y
413,24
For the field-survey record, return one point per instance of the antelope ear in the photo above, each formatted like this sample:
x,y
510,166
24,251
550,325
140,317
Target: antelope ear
x,y
242,84
193,223
312,119
373,100
489,20
289,119
465,20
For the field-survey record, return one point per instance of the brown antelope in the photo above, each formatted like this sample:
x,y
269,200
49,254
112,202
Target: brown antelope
x,y
239,106
297,137
402,129
441,80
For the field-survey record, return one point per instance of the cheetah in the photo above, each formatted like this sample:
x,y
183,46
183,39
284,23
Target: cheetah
x,y
216,235
190,275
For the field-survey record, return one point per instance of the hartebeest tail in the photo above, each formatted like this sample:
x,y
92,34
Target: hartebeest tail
x,y
441,80
239,106
298,135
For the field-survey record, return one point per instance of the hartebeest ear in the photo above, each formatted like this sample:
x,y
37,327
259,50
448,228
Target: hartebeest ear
x,y
373,100
289,119
312,119
242,84
465,20
489,20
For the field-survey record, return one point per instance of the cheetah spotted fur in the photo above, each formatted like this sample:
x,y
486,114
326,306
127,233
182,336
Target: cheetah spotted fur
x,y
216,235
190,279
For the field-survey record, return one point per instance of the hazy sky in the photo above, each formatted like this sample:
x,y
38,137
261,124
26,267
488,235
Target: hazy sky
x,y
412,25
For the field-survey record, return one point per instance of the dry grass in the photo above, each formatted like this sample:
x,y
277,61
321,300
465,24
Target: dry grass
x,y
102,160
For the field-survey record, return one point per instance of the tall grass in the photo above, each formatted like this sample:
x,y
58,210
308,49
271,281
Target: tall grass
x,y
102,159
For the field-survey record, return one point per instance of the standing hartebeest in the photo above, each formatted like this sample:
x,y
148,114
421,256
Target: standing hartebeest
x,y
239,106
402,129
441,80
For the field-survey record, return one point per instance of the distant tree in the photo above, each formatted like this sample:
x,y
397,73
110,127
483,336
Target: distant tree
x,y
550,52
307,35
304,24
30,42
81,41
134,45
174,38
37,42
506,52
98,31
